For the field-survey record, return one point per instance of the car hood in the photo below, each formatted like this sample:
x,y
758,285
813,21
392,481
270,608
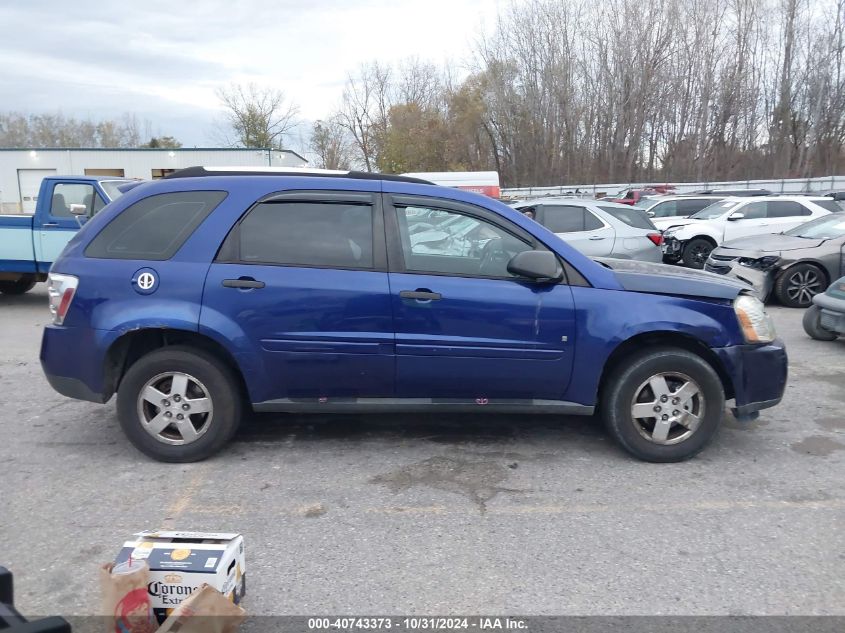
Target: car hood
x,y
638,276
770,244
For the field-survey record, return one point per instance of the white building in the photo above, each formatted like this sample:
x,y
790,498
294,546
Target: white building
x,y
21,170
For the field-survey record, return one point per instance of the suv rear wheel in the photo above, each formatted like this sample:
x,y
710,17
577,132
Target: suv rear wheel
x,y
179,404
663,405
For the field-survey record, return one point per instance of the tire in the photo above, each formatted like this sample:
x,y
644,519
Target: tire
x,y
813,327
696,252
19,286
211,386
629,385
796,286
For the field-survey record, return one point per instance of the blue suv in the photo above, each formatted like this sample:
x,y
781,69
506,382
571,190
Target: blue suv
x,y
210,292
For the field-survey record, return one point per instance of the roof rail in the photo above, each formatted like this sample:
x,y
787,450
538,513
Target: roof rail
x,y
199,172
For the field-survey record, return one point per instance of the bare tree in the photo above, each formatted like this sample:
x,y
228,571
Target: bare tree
x,y
57,130
331,145
257,116
364,108
625,90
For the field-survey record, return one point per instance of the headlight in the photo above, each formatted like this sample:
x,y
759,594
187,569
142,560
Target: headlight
x,y
762,263
755,323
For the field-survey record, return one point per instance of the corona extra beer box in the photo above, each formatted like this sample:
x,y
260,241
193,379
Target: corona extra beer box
x,y
182,561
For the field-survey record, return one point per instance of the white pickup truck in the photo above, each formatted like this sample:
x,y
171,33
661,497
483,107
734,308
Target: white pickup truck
x,y
690,240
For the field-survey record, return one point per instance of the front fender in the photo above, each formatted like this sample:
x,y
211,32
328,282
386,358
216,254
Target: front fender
x,y
605,319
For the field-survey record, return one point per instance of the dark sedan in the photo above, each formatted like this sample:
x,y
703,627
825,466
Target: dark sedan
x,y
795,265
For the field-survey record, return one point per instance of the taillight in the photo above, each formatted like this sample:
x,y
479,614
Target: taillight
x,y
656,238
61,289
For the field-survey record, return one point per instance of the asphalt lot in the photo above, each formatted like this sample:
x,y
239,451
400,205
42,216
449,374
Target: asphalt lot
x,y
433,514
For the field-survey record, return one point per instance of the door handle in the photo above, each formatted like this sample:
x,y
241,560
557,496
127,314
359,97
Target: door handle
x,y
243,282
421,294
596,237
46,224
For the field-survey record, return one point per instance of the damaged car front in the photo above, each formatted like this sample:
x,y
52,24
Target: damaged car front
x,y
795,265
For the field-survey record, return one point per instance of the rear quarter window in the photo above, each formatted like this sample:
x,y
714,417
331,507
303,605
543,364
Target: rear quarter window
x,y
830,205
632,217
156,227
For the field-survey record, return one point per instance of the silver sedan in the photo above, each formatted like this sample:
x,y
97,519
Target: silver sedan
x,y
598,228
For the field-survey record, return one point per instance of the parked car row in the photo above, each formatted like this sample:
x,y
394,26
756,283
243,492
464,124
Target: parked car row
x,y
789,247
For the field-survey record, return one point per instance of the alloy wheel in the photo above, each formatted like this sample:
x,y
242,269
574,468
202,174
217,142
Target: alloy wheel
x,y
175,408
803,285
667,408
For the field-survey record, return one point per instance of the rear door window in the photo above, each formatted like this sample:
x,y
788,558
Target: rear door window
x,y
630,216
156,227
310,234
830,205
785,209
591,222
563,218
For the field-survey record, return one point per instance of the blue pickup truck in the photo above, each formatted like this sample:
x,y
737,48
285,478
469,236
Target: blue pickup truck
x,y
29,244
212,291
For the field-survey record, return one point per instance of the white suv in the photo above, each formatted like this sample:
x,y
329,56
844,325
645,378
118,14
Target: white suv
x,y
691,239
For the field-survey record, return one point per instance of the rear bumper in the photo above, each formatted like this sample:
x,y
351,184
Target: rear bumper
x,y
758,373
72,361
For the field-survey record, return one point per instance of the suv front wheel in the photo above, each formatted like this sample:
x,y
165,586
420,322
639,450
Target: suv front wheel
x,y
663,405
179,404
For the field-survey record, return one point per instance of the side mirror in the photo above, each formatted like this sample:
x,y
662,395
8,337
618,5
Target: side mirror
x,y
537,265
650,214
736,215
79,211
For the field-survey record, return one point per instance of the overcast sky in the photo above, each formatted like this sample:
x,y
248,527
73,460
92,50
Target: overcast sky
x,y
163,59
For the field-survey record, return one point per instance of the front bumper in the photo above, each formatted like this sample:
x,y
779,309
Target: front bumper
x,y
758,374
672,246
761,280
72,360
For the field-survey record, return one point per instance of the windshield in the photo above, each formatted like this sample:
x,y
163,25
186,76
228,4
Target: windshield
x,y
112,188
826,228
714,210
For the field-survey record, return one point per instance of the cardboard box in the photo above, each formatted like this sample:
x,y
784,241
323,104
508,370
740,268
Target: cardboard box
x,y
182,561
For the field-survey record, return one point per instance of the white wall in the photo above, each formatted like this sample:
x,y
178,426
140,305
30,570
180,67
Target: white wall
x,y
136,163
